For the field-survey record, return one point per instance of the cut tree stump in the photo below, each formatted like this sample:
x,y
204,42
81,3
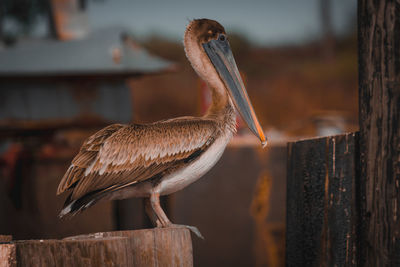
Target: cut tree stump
x,y
148,247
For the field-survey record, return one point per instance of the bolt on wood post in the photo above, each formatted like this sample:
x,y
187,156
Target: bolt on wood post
x,y
379,111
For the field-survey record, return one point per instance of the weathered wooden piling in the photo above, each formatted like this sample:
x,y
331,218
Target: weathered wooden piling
x,y
147,247
379,94
349,215
321,199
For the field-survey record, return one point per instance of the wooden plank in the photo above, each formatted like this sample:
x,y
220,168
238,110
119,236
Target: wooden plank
x,y
321,213
148,247
379,94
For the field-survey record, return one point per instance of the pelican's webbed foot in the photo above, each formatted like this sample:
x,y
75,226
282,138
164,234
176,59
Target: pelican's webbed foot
x,y
160,219
193,229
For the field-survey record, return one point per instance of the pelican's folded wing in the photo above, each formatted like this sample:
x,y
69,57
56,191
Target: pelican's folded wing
x,y
121,155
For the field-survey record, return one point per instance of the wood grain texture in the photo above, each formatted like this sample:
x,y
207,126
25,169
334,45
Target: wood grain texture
x,y
379,94
87,252
321,212
7,252
7,255
148,247
154,247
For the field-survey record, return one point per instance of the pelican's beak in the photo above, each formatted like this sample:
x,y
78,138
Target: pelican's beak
x,y
220,54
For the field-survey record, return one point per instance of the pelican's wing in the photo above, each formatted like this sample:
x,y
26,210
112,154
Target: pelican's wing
x,y
123,155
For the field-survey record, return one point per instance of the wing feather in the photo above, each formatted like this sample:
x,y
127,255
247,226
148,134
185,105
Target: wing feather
x,y
127,154
86,157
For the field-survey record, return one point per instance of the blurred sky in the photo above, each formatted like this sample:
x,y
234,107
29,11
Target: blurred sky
x,y
265,22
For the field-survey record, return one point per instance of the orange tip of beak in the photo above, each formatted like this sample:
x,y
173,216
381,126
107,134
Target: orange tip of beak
x,y
264,143
264,140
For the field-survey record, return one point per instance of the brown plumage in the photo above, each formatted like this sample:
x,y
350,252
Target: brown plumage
x,y
127,154
149,160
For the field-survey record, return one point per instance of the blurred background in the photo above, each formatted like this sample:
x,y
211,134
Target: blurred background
x,y
70,67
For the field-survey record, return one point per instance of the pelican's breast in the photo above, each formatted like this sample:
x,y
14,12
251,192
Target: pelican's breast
x,y
183,177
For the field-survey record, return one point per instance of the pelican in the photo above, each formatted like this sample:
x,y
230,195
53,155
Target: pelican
x,y
160,158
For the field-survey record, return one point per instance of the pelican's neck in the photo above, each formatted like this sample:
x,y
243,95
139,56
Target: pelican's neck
x,y
222,110
221,103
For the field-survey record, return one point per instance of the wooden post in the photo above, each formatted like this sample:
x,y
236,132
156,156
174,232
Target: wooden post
x,y
379,94
321,211
368,234
148,247
7,252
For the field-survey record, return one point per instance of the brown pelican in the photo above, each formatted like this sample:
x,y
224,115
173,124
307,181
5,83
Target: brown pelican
x,y
151,160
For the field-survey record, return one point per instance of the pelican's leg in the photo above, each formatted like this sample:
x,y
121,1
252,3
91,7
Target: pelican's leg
x,y
150,212
163,219
158,211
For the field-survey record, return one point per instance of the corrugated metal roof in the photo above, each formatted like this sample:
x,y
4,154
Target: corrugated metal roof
x,y
79,57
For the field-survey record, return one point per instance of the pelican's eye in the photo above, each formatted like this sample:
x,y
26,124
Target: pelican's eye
x,y
222,37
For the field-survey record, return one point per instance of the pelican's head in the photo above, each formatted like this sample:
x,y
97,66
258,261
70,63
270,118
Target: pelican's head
x,y
207,48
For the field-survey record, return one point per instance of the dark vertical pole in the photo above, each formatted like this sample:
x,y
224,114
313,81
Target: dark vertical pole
x,y
321,207
379,89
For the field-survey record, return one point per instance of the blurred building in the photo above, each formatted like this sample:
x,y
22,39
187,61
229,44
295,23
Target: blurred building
x,y
68,81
